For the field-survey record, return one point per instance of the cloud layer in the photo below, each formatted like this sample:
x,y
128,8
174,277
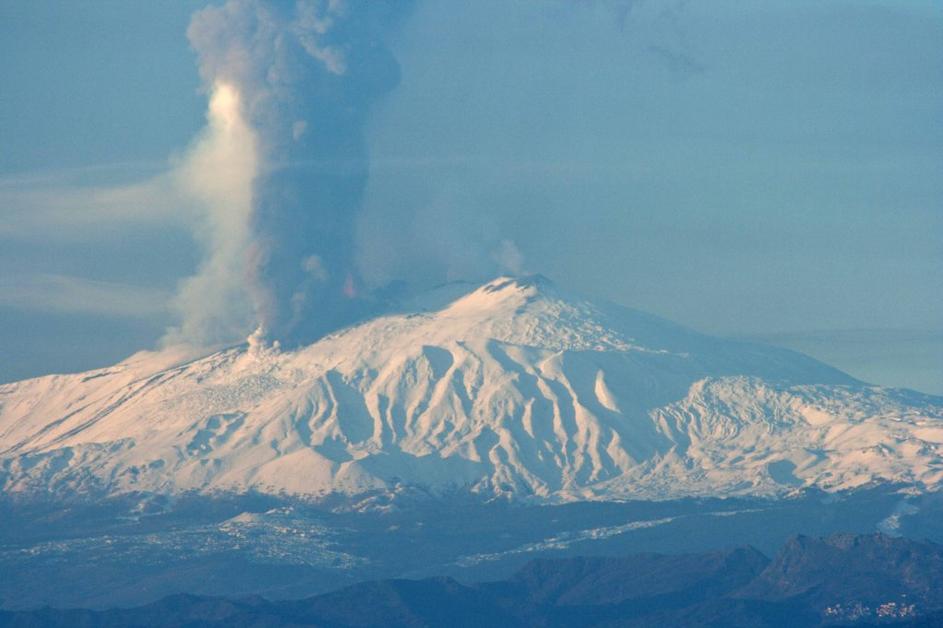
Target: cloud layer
x,y
61,293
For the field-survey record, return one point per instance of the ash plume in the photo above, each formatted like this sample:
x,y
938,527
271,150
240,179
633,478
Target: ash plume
x,y
301,78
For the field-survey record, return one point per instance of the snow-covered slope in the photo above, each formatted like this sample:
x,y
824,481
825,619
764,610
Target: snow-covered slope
x,y
513,387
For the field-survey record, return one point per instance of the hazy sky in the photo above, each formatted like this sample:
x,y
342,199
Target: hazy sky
x,y
767,169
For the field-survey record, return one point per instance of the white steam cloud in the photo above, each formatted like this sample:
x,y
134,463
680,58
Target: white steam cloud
x,y
218,173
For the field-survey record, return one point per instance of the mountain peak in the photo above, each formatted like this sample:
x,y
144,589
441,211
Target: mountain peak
x,y
535,282
488,295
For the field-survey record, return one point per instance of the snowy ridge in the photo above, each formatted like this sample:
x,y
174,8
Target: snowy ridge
x,y
512,388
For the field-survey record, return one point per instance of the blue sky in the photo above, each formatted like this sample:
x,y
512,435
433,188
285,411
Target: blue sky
x,y
767,170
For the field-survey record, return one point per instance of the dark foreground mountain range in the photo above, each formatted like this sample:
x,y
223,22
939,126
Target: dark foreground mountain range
x,y
843,579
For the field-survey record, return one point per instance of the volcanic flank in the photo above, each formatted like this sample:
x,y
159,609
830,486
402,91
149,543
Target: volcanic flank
x,y
512,388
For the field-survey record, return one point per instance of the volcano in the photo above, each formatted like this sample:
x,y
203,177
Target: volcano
x,y
514,388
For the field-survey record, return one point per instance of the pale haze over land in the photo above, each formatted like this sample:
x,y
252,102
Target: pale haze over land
x,y
753,171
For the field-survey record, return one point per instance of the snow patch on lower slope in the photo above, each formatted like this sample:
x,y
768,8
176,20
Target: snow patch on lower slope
x,y
510,389
563,541
566,540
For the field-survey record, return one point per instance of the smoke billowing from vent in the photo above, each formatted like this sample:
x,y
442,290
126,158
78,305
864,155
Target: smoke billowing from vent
x,y
218,174
283,179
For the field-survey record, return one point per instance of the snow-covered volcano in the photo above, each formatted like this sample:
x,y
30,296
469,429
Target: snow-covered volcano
x,y
513,387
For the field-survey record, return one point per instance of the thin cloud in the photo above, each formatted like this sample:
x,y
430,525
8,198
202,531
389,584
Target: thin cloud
x,y
73,175
67,294
33,209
